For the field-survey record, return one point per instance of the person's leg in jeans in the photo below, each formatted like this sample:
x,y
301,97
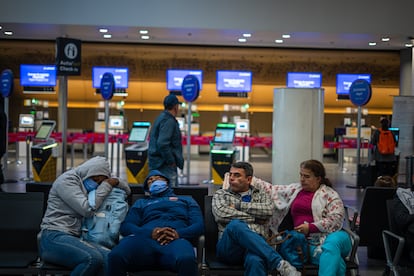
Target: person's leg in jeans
x,y
239,241
336,247
67,250
179,256
133,253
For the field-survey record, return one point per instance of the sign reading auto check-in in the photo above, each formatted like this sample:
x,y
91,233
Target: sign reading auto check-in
x,y
68,56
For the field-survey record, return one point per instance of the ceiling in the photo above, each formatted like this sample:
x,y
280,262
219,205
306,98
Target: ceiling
x,y
187,36
310,24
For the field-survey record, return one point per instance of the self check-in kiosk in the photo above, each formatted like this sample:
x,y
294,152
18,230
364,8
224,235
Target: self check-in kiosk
x,y
136,155
44,153
222,153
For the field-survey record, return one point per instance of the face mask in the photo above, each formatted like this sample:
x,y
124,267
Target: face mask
x,y
90,184
158,186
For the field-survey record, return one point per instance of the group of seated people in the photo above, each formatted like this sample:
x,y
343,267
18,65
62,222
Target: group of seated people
x,y
158,230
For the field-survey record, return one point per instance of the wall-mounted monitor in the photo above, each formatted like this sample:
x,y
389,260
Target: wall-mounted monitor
x,y
116,122
344,82
37,75
181,123
26,121
242,125
234,81
396,132
175,78
120,76
304,80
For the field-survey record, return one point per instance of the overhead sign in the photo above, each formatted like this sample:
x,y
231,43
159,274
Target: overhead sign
x,y
68,56
107,86
360,92
190,88
6,83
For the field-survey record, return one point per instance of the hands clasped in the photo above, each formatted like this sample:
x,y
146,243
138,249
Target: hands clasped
x,y
164,235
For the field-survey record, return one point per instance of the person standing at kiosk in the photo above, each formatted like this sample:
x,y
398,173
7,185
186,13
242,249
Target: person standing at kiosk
x,y
165,151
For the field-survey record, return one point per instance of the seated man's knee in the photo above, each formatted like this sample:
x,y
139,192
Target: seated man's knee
x,y
236,224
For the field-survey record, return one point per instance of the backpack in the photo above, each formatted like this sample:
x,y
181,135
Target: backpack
x,y
386,142
103,226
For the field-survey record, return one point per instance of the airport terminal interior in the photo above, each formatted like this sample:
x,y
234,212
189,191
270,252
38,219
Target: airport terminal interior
x,y
272,92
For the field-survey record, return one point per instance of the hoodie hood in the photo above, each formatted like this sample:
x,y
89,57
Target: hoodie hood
x,y
152,173
95,166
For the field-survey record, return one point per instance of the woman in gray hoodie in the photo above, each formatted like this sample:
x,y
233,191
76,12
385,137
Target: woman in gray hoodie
x,y
67,205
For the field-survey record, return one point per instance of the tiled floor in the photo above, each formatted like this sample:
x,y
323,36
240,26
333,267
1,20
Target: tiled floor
x,y
342,177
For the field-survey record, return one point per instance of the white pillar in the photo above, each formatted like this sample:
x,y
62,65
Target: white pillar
x,y
298,130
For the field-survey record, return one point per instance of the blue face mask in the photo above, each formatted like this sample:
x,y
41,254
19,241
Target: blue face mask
x,y
157,187
89,184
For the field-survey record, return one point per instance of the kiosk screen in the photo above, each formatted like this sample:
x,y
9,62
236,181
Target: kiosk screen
x,y
224,135
138,134
44,131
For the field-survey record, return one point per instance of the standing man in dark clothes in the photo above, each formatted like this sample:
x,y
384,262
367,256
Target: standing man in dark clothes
x,y
165,152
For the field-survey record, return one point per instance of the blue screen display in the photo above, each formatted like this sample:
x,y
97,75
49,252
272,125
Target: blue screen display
x,y
234,81
37,75
175,78
120,76
344,81
304,80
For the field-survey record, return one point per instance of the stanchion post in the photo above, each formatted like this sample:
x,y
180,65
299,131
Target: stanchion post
x,y
118,158
28,139
409,170
72,153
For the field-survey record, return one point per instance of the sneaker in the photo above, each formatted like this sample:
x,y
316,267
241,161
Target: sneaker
x,y
286,269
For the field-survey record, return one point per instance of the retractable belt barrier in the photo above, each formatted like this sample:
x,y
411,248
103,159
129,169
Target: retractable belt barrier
x,y
250,141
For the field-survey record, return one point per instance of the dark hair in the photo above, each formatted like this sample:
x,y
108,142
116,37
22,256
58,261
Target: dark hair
x,y
247,167
384,124
318,170
385,181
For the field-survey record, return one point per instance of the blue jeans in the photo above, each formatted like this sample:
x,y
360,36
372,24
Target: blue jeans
x,y
331,261
82,257
171,173
135,253
240,245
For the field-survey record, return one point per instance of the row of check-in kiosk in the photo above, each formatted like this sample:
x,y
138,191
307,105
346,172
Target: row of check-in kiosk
x,y
44,152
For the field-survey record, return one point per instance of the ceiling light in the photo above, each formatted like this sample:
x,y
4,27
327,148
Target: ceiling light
x,y
102,30
385,39
107,35
8,32
143,31
145,37
242,40
247,35
279,41
408,45
1,27
372,43
286,36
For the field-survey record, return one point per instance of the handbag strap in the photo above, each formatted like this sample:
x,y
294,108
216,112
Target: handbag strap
x,y
277,238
